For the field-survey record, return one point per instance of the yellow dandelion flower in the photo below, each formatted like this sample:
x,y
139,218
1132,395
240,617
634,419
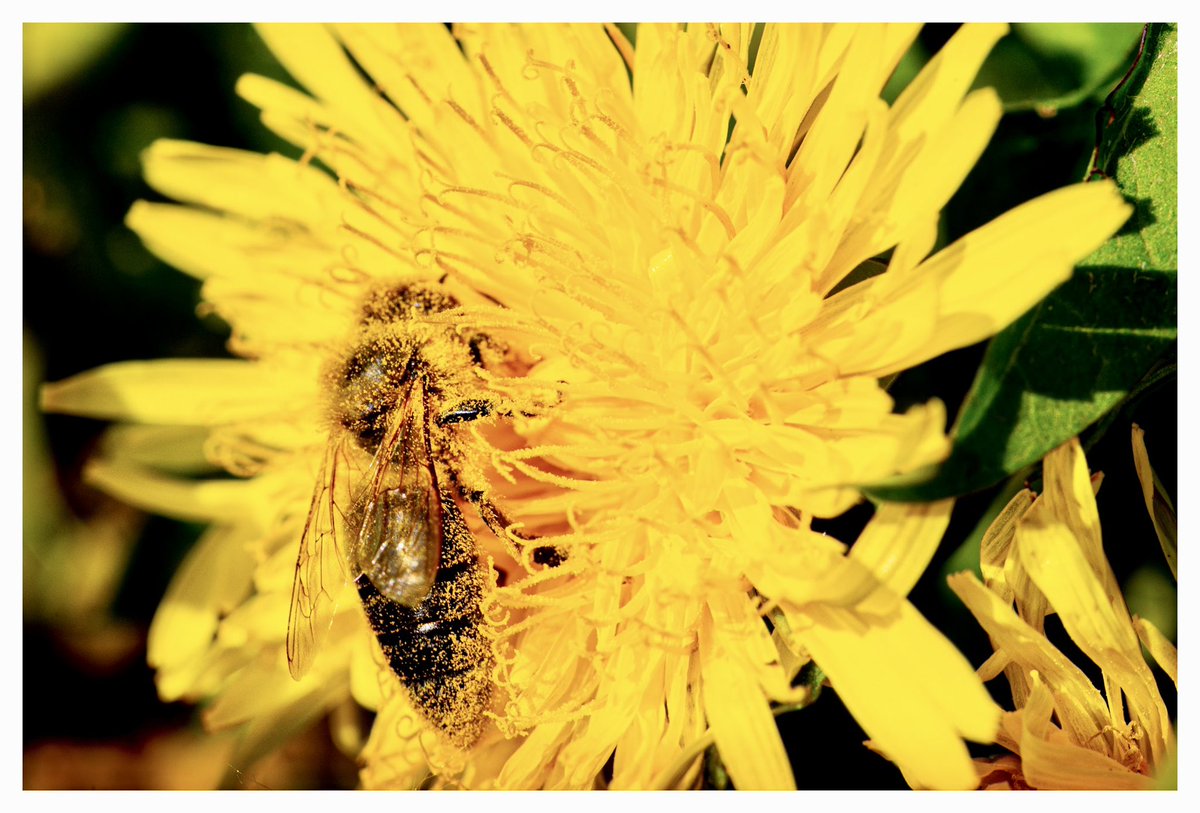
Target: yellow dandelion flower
x,y
595,292
1045,555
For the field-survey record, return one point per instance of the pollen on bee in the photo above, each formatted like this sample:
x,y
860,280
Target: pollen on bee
x,y
406,375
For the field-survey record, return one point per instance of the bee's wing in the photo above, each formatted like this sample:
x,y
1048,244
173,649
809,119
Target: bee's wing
x,y
320,568
399,544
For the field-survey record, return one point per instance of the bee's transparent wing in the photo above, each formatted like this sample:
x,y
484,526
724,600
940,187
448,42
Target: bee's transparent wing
x,y
400,542
320,569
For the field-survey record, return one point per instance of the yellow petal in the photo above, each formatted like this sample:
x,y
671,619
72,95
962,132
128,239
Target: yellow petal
x,y
1069,500
248,184
531,762
244,501
886,561
580,760
196,392
1162,650
636,751
841,451
270,281
416,65
936,166
1051,761
239,261
283,103
1082,711
931,98
932,139
995,549
393,757
1058,542
834,137
899,541
1054,560
1036,245
211,581
738,631
1006,576
659,99
744,729
1158,504
906,685
785,80
915,245
312,55
939,168
365,672
178,449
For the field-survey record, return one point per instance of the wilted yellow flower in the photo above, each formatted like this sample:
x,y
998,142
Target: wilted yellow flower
x,y
1046,556
678,375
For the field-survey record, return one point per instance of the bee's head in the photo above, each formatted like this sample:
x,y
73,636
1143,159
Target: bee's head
x,y
405,302
368,384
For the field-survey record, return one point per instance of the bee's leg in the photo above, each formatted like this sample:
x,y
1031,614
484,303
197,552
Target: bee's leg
x,y
501,526
475,344
463,411
480,342
474,409
492,516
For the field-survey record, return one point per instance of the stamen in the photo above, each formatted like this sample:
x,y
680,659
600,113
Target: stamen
x,y
362,191
710,158
491,73
365,207
530,71
412,80
372,239
545,190
347,274
582,161
238,453
708,204
311,151
467,190
467,267
511,125
534,473
465,116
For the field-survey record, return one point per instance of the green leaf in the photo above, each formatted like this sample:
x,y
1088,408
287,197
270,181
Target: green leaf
x,y
1075,356
1051,66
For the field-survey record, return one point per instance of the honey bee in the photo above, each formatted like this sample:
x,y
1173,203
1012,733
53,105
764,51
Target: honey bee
x,y
383,512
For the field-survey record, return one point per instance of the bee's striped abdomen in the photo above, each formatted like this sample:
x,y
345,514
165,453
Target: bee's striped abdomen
x,y
438,649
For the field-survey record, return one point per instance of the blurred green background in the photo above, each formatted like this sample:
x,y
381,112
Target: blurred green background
x,y
93,570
